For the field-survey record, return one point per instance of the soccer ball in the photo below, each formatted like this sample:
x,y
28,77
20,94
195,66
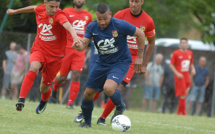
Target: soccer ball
x,y
121,123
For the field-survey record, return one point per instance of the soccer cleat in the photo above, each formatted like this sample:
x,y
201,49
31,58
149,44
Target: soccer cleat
x,y
70,106
41,107
101,121
20,106
117,112
79,118
84,125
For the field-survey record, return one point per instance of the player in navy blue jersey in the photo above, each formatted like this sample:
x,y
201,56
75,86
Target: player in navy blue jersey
x,y
110,38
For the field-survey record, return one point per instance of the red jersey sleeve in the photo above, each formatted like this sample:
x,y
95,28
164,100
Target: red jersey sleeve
x,y
173,58
191,60
61,18
150,29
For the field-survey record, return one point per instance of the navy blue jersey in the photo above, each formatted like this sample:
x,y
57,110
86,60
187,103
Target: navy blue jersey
x,y
111,42
93,56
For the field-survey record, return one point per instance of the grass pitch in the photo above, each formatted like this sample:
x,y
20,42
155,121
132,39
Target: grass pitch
x,y
56,119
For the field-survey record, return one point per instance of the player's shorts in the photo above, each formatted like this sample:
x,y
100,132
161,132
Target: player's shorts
x,y
6,81
50,66
73,60
131,71
101,73
182,85
16,77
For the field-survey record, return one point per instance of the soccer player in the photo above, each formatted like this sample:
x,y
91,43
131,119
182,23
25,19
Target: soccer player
x,y
110,36
73,60
47,50
136,16
181,63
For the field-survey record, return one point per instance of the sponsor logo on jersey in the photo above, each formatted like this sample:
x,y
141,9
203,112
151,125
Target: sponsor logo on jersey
x,y
142,28
114,33
107,46
46,33
51,20
79,26
132,42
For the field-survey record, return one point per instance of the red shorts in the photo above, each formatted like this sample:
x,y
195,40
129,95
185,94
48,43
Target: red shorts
x,y
73,60
182,85
50,66
131,71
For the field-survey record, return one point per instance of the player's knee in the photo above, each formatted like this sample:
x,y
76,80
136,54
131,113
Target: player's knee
x,y
35,69
108,90
88,95
76,75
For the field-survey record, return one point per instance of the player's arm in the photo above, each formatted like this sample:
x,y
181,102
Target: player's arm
x,y
172,67
81,46
149,50
27,9
193,70
71,30
141,44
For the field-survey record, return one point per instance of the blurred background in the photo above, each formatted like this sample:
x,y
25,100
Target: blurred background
x,y
173,19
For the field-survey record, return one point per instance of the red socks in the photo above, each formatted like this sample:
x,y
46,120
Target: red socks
x,y
74,88
109,107
45,96
56,86
182,107
27,84
96,96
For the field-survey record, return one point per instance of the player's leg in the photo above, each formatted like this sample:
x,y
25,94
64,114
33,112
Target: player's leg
x,y
77,64
28,83
87,106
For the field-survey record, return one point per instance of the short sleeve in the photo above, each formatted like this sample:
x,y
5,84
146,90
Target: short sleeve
x,y
150,29
149,66
5,56
88,32
173,58
61,18
127,28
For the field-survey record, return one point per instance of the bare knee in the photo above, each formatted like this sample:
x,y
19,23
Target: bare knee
x,y
61,78
35,66
109,90
44,88
89,93
76,75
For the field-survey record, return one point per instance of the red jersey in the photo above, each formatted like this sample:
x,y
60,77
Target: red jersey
x,y
182,60
79,21
51,35
143,21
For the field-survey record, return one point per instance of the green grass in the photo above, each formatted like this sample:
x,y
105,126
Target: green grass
x,y
58,120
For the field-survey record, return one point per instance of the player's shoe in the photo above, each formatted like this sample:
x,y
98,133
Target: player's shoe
x,y
20,104
101,121
79,118
41,107
117,112
70,106
84,125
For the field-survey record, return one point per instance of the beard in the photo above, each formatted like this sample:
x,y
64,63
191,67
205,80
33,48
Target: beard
x,y
78,5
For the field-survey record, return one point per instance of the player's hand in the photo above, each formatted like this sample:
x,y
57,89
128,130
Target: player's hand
x,y
11,12
78,40
138,64
143,69
179,75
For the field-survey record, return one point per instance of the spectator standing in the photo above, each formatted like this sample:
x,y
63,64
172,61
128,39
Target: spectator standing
x,y
8,63
154,80
18,71
168,89
199,82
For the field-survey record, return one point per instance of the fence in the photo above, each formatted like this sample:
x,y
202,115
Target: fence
x,y
135,88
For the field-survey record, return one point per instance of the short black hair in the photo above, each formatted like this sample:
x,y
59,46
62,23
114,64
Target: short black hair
x,y
102,8
183,38
55,0
17,48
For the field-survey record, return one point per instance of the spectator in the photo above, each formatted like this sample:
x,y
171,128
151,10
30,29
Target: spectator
x,y
168,89
8,63
18,71
199,82
154,80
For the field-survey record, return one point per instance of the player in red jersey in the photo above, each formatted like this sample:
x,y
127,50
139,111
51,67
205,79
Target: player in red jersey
x,y
181,63
136,16
73,60
48,48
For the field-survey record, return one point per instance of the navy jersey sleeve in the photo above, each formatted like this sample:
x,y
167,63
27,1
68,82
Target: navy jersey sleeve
x,y
127,28
88,32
